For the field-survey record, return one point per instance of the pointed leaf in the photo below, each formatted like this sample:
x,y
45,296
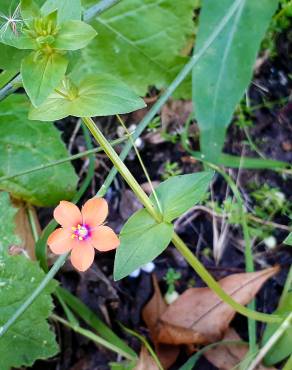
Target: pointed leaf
x,y
288,240
223,73
67,9
142,240
101,95
180,193
74,35
41,74
212,316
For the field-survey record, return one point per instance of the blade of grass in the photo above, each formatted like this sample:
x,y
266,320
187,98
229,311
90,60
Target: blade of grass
x,y
93,320
95,338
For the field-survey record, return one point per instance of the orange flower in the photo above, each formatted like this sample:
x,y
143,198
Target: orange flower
x,y
81,232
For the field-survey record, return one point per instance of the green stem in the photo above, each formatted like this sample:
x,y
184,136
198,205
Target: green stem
x,y
179,244
288,364
132,182
61,161
49,276
249,264
286,324
146,344
94,337
97,9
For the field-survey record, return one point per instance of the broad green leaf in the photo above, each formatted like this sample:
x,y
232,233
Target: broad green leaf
x,y
30,337
7,227
143,43
11,57
282,348
179,193
74,35
25,144
224,72
142,240
41,74
101,95
67,9
288,240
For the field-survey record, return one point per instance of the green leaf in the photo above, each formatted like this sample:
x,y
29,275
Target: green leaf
x,y
30,337
41,74
180,193
224,72
101,95
7,227
142,240
232,161
288,240
74,35
67,9
143,43
29,10
25,144
11,57
282,348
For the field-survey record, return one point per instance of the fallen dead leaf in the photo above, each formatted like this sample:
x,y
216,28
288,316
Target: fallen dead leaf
x,y
151,313
145,361
198,316
201,311
227,357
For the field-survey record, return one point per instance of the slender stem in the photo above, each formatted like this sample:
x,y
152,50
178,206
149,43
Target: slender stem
x,y
213,284
249,264
177,241
31,218
146,344
49,276
286,324
132,182
10,87
61,161
141,163
94,337
97,9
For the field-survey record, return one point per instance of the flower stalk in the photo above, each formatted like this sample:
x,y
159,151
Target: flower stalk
x,y
176,240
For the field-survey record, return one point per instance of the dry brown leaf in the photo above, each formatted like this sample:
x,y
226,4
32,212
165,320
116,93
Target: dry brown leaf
x,y
151,313
203,312
227,357
145,361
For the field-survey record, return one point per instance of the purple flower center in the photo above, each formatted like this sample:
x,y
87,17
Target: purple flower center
x,y
81,232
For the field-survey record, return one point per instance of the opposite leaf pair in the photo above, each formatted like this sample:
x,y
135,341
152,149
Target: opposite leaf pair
x,y
50,41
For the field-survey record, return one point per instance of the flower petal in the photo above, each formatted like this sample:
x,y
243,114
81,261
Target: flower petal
x,y
67,214
60,241
82,256
94,212
103,238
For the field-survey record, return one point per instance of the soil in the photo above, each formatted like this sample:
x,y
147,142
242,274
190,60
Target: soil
x,y
123,301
